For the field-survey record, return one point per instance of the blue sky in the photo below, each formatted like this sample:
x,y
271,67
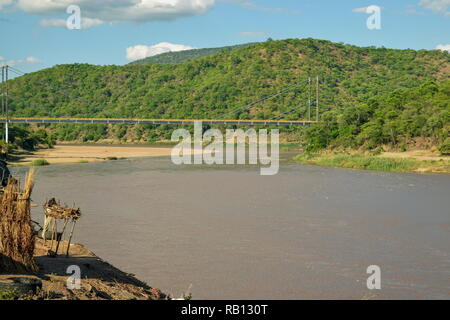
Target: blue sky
x,y
34,36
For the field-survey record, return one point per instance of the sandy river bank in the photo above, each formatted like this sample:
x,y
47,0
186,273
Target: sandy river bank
x,y
88,153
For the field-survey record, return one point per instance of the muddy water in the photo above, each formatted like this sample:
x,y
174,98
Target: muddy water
x,y
308,232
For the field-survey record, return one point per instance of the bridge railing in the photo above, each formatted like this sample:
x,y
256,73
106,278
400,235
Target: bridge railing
x,y
160,121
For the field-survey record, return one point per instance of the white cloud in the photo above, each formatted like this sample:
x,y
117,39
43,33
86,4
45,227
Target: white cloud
x,y
86,23
360,10
53,23
142,51
438,6
113,11
12,63
253,6
364,9
31,60
443,47
4,3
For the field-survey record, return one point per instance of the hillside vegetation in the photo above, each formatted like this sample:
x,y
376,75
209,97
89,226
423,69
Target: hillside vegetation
x,y
394,119
186,55
368,96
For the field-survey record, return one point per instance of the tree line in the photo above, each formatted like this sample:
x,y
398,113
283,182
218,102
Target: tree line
x,y
369,96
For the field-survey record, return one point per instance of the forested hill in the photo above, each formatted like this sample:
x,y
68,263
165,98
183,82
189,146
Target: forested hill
x,y
186,55
217,86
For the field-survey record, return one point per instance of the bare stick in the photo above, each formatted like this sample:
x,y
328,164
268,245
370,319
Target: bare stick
x,y
54,232
66,221
74,221
46,225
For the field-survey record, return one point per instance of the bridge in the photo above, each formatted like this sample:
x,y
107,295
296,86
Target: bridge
x,y
160,121
6,119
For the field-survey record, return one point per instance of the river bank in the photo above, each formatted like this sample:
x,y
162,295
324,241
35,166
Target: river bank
x,y
83,153
99,279
412,161
61,154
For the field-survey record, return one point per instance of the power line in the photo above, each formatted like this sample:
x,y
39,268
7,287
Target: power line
x,y
309,101
285,113
43,83
264,99
20,73
239,109
61,90
17,71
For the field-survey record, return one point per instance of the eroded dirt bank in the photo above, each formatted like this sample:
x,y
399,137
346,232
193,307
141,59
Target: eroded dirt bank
x,y
99,279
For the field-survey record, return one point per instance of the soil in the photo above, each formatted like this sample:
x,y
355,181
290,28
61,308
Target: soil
x,y
99,279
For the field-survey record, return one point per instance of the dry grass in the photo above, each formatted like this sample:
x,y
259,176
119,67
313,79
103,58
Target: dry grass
x,y
17,234
364,162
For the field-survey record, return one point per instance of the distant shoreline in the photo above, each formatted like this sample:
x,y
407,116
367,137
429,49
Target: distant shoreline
x,y
90,152
65,153
413,161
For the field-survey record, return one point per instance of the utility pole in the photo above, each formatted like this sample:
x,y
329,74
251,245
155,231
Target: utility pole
x,y
309,98
317,100
5,102
3,97
6,106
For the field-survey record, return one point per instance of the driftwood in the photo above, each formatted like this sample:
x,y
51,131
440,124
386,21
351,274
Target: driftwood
x,y
17,234
53,211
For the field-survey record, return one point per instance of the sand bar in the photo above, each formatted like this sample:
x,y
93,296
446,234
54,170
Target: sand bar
x,y
91,153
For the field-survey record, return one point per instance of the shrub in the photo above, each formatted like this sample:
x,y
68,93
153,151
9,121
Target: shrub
x,y
40,162
444,148
9,295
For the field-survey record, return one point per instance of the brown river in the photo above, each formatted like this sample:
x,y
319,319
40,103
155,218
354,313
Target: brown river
x,y
226,232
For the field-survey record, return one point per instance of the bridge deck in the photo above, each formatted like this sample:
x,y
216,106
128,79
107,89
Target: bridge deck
x,y
161,121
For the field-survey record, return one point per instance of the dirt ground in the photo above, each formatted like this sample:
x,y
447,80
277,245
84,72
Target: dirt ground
x,y
99,279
